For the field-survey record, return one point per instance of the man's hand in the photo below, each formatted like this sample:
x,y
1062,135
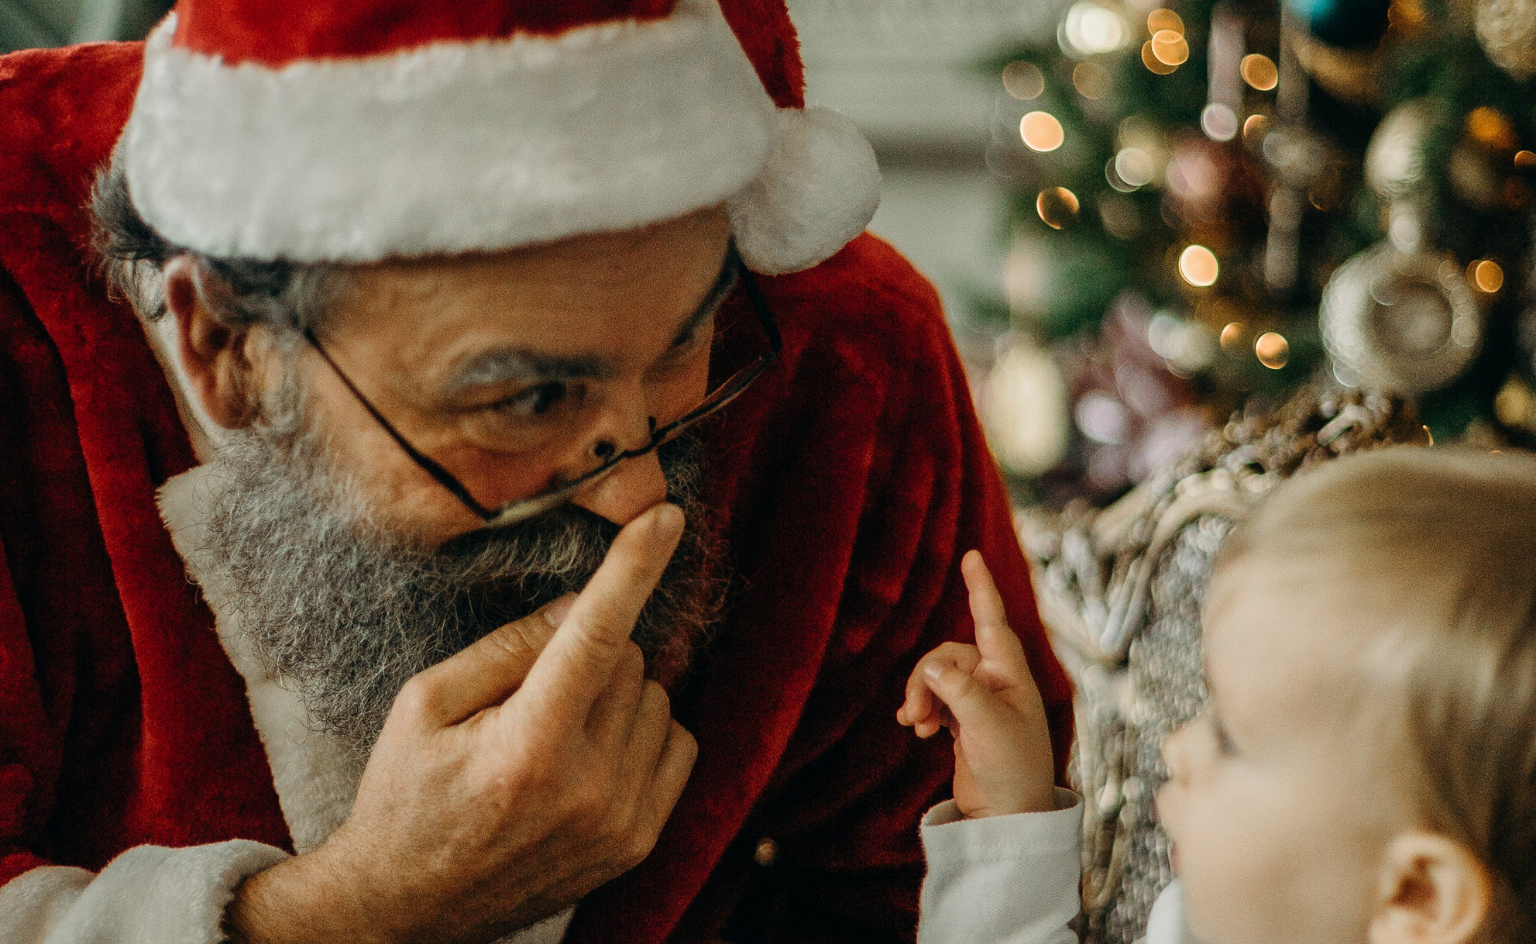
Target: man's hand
x,y
984,694
493,799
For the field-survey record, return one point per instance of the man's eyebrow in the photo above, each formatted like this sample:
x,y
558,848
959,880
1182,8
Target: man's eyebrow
x,y
725,283
500,365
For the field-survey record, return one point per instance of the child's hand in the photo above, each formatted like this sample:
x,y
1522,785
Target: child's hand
x,y
986,697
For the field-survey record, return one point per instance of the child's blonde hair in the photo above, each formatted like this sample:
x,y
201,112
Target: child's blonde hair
x,y
1454,532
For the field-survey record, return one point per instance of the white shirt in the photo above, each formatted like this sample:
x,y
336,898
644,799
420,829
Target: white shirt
x,y
1014,879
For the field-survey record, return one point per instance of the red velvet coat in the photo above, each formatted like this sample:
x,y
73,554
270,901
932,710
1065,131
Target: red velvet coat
x,y
850,479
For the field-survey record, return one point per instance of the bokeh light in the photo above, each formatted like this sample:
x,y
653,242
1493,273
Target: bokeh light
x,y
1164,19
1218,122
1198,266
1490,128
1487,275
1170,48
1092,80
1152,63
1041,131
1135,166
1255,125
1260,71
1057,206
1273,350
1232,337
1091,29
1525,160
1023,80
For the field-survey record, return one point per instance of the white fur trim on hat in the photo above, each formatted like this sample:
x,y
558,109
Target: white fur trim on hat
x,y
450,147
819,189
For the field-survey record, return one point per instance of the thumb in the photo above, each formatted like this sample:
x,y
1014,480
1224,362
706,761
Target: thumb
x,y
490,669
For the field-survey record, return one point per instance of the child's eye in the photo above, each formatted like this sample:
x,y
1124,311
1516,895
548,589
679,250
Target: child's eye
x,y
1224,745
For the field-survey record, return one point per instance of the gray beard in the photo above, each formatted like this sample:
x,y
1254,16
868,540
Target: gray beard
x,y
345,612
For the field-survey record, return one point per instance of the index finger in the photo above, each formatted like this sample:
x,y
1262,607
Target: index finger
x,y
579,661
995,640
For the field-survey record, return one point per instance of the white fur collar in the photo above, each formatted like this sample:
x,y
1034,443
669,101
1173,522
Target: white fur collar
x,y
314,779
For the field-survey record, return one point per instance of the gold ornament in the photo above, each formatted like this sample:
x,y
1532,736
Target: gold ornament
x,y
1507,31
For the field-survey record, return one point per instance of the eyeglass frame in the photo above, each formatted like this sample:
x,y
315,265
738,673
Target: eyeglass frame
x,y
522,509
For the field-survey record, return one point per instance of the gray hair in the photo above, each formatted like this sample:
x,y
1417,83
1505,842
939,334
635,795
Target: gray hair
x,y
283,296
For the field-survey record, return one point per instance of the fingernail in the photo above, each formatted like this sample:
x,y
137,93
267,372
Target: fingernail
x,y
556,612
933,670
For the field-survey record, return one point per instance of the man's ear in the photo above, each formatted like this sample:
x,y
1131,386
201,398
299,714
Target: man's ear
x,y
1433,891
213,354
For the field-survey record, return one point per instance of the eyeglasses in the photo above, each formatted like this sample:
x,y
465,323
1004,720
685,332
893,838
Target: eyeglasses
x,y
522,509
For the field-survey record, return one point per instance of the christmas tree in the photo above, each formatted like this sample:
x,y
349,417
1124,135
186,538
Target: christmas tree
x,y
1217,205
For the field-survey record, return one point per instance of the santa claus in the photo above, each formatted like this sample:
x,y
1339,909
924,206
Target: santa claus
x,y
465,474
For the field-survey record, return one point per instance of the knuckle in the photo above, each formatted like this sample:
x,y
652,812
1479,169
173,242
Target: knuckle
x,y
523,638
590,800
419,699
605,636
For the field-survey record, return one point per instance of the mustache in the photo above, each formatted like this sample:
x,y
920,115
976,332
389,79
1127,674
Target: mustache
x,y
345,610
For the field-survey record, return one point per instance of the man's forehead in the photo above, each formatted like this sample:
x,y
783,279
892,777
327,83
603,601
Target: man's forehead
x,y
556,312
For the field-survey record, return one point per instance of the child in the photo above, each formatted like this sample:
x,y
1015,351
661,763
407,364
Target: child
x,y
1365,768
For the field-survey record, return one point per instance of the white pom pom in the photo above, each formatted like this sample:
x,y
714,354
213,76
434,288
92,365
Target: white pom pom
x,y
818,191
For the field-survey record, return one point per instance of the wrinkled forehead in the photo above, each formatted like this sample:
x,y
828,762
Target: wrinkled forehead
x,y
613,292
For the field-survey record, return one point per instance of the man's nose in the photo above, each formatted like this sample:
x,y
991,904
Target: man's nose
x,y
627,491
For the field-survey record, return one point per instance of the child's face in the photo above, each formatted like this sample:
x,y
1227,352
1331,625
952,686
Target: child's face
x,y
1279,801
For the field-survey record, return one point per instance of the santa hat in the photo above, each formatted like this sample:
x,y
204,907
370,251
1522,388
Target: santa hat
x,y
357,130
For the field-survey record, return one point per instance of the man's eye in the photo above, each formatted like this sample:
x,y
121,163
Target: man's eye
x,y
535,401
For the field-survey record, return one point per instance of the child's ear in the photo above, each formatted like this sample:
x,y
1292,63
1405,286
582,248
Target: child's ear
x,y
1433,891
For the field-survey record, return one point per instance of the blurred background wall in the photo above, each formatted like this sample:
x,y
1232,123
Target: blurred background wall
x,y
909,73
29,23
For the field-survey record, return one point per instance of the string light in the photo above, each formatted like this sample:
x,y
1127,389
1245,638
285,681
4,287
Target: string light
x,y
1023,80
1057,206
1273,350
1260,71
1198,266
1041,131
